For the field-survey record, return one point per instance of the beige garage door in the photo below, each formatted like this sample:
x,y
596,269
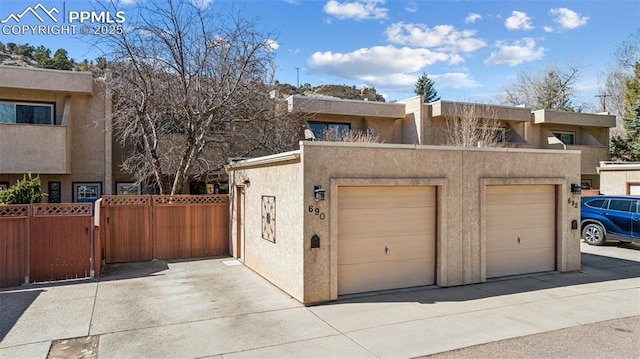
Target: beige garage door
x,y
386,237
520,229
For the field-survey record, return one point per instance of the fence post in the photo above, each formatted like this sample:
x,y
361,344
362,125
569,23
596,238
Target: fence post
x,y
28,230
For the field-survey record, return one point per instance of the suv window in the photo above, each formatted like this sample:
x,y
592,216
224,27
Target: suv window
x,y
596,203
623,205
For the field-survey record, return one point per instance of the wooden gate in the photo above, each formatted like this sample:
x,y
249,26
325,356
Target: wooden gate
x,y
125,223
60,242
144,227
14,245
188,226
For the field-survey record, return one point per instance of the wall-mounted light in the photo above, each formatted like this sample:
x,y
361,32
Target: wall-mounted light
x,y
576,189
318,193
246,182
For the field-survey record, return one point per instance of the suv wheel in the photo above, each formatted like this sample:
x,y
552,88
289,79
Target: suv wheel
x,y
593,234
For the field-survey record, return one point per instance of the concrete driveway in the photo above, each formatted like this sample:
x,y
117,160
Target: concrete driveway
x,y
221,309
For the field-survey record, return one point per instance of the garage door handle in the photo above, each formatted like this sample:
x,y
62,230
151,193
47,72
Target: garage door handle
x,y
386,250
518,239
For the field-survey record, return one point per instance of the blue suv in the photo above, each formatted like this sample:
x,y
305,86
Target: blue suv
x,y
610,217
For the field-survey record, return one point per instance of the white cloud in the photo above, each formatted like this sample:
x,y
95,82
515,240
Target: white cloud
x,y
472,18
454,80
518,21
292,2
568,19
202,4
412,7
358,9
547,29
369,64
442,37
520,51
273,44
127,2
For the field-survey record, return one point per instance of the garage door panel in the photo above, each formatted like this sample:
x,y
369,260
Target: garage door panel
x,y
502,240
513,262
373,249
385,222
386,197
527,212
400,218
517,217
357,278
519,193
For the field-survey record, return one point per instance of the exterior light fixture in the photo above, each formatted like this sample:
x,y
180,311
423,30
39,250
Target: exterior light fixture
x,y
576,189
318,193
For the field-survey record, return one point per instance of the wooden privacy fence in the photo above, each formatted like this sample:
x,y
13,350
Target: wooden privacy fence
x,y
140,228
45,242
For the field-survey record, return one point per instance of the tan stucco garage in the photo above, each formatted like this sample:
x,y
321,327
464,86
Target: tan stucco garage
x,y
619,178
395,216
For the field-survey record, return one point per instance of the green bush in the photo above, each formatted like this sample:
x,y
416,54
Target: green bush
x,y
25,191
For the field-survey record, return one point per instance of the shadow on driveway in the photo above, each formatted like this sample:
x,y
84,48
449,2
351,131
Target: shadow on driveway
x,y
595,269
12,306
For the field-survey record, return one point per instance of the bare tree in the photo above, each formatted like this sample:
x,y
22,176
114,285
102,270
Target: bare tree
x,y
612,90
474,125
551,88
191,89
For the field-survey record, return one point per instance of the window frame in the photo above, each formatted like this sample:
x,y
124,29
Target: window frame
x,y
78,185
51,105
561,133
327,125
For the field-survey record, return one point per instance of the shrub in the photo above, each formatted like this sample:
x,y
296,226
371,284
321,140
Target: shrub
x,y
25,191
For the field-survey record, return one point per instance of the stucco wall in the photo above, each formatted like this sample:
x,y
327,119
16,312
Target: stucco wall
x,y
75,149
458,173
280,262
616,182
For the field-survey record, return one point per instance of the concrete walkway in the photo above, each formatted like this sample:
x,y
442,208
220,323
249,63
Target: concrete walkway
x,y
220,309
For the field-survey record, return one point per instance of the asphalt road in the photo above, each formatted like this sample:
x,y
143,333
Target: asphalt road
x,y
618,338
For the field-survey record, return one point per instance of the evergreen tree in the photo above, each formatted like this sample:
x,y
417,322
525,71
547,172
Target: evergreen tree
x,y
42,55
426,89
61,61
25,51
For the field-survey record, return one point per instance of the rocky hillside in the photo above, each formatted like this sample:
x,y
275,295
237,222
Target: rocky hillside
x,y
15,60
334,91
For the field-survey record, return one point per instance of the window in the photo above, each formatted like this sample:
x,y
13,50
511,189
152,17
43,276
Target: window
x,y
329,129
568,138
596,203
499,133
54,192
87,192
620,205
128,188
20,112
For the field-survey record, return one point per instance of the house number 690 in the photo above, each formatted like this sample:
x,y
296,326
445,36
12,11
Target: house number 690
x,y
316,211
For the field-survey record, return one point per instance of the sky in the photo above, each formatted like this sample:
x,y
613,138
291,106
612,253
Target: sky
x,y
470,49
